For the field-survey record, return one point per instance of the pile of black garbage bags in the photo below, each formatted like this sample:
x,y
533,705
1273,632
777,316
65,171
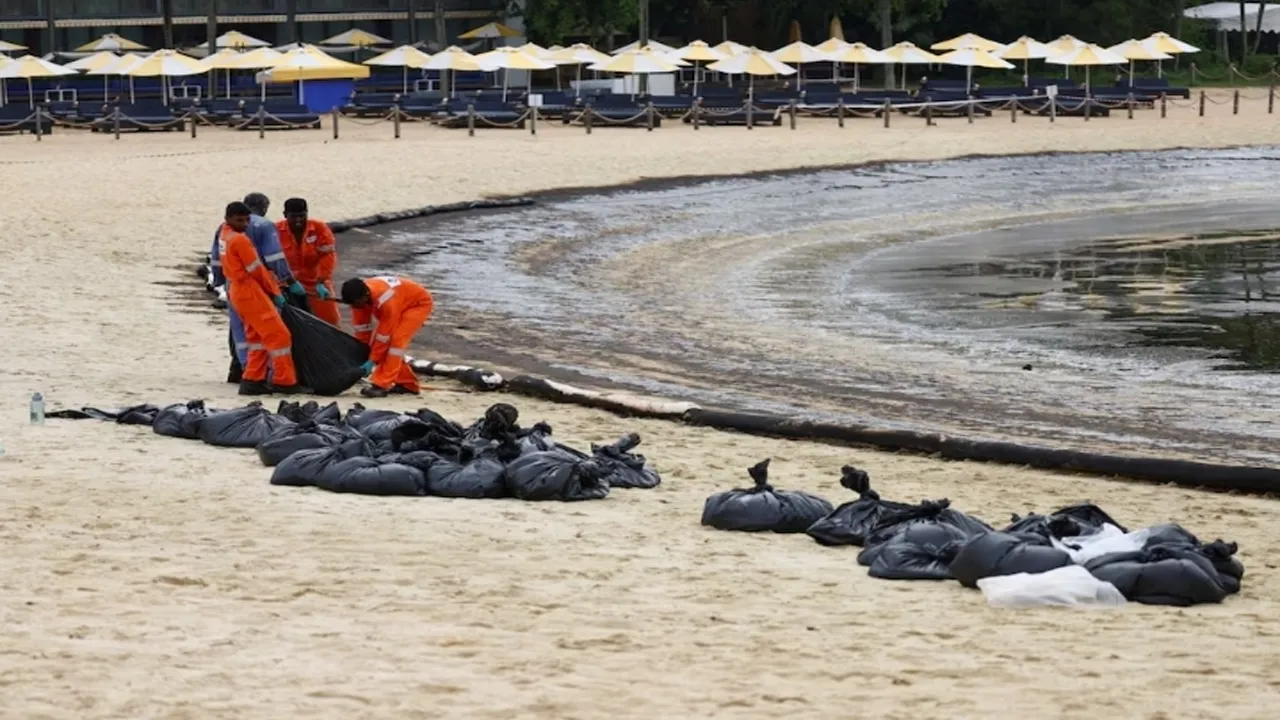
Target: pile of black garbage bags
x,y
930,540
382,452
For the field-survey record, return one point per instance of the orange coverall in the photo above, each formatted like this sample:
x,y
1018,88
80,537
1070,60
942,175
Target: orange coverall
x,y
401,307
250,289
313,258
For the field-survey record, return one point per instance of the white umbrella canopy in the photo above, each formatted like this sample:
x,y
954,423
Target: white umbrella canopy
x,y
110,41
225,59
258,59
696,52
832,45
752,62
971,57
28,67
800,53
729,47
967,40
166,63
636,62
578,54
1134,50
451,59
509,58
233,40
355,37
94,61
405,56
1087,55
857,54
1026,49
652,46
6,46
1169,45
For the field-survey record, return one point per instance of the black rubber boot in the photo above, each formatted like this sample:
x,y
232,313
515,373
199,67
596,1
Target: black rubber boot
x,y
373,391
289,390
402,390
248,387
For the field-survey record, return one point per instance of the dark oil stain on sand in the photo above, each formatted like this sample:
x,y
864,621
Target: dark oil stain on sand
x,y
1139,288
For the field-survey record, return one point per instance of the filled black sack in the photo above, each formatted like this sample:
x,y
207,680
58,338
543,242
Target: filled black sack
x,y
241,428
327,359
310,410
377,425
919,552
483,477
367,476
1072,521
181,421
929,511
852,522
304,467
498,423
1170,534
1222,556
762,508
626,469
536,439
993,554
306,435
1161,575
133,415
553,475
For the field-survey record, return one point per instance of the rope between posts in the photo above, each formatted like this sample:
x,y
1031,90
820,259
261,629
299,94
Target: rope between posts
x,y
1211,100
19,123
510,124
63,122
176,122
609,121
285,123
366,121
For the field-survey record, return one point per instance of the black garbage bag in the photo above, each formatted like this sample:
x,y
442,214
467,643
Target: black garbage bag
x,y
498,423
1222,556
1073,521
181,421
762,508
553,475
923,551
852,522
327,359
378,425
626,469
367,476
536,439
483,477
995,553
242,428
306,435
1161,575
1170,534
310,410
928,511
132,415
303,468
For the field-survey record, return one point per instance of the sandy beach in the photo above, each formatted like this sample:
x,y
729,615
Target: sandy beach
x,y
149,577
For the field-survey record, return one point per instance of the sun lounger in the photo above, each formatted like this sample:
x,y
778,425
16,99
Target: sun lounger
x,y
369,103
556,104
1075,107
495,115
279,115
1152,86
142,116
19,119
948,104
759,117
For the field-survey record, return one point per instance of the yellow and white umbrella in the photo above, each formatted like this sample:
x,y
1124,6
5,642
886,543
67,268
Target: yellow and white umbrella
x,y
636,62
1087,55
258,59
4,92
110,41
165,64
535,50
451,59
1169,45
1026,49
861,54
908,53
967,40
28,67
1064,44
577,54
730,48
696,52
94,61
1134,50
508,59
832,45
405,56
652,46
970,58
355,37
800,53
6,46
225,59
231,40
490,31
309,63
752,62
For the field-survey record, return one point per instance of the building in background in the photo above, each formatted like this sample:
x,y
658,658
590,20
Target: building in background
x,y
75,22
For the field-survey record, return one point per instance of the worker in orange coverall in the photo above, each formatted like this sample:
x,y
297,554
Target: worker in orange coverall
x,y
387,312
312,252
255,295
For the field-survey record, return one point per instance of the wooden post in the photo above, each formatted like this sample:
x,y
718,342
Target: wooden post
x,y
587,114
39,124
791,112
1013,111
969,109
1201,103
1271,99
336,115
192,118
1164,105
888,110
1235,102
395,121
262,123
115,122
533,121
1053,109
840,111
1088,106
471,119
697,112
1128,101
751,117
649,114
928,113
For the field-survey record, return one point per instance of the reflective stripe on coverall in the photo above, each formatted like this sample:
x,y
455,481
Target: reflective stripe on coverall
x,y
313,258
250,289
400,308
262,233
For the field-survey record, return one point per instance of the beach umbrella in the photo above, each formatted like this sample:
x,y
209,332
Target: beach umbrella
x,y
233,40
800,53
967,40
831,46
1087,55
1065,44
1169,45
907,53
94,61
490,31
534,49
1134,50
258,59
309,63
1025,49
652,46
119,68
861,54
3,90
110,41
970,58
405,56
355,37
225,59
637,62
6,46
577,54
165,64
508,59
696,52
730,48
452,59
752,62
28,67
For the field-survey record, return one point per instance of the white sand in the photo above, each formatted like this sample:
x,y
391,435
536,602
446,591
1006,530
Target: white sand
x,y
147,577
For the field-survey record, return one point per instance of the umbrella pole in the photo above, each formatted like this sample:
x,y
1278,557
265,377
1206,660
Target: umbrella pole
x,y
131,98
228,83
577,90
31,95
1159,68
1131,73
1088,91
404,84
695,78
857,77
1026,72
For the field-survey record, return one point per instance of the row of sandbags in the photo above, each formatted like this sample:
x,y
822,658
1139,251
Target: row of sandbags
x,y
383,452
1074,556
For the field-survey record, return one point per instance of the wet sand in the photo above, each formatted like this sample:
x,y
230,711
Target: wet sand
x,y
146,577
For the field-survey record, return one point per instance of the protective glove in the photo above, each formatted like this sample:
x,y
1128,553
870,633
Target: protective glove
x,y
367,369
278,300
296,288
321,291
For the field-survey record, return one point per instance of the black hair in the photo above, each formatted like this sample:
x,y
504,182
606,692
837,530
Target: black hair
x,y
295,205
237,208
257,201
354,290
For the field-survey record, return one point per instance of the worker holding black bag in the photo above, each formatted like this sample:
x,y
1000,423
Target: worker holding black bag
x,y
386,313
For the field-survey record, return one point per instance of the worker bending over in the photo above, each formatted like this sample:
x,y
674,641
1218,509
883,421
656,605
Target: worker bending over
x,y
262,233
312,253
255,297
387,312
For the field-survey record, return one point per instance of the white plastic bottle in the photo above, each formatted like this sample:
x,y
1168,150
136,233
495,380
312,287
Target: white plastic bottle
x,y
37,409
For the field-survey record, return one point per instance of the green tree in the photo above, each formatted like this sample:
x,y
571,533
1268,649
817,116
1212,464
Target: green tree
x,y
552,21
